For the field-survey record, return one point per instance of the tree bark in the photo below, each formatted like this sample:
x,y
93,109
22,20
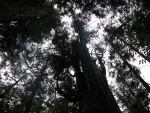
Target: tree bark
x,y
103,74
97,98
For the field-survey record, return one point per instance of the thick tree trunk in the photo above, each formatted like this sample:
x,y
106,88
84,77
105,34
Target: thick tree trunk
x,y
12,11
103,74
97,98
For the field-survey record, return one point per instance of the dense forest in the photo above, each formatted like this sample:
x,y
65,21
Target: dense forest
x,y
52,66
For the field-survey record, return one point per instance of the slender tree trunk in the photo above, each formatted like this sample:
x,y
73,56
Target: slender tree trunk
x,y
97,98
9,89
36,85
135,49
131,68
11,10
133,93
135,73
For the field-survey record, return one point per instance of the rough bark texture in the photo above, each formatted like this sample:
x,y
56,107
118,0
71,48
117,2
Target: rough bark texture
x,y
11,10
97,97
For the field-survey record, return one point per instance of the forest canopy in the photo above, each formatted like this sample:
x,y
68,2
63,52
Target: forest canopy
x,y
49,64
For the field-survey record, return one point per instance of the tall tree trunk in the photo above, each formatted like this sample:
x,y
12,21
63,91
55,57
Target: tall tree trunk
x,y
103,74
135,49
36,85
132,93
135,73
97,98
9,89
131,68
11,10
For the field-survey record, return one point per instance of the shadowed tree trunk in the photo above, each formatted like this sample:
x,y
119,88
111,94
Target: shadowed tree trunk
x,y
9,89
135,73
97,97
147,87
135,49
35,85
103,74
